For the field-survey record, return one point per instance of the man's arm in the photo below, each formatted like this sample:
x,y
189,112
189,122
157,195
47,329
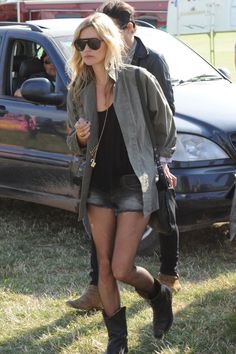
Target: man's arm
x,y
157,65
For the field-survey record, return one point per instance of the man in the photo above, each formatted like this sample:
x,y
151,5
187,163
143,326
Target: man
x,y
49,67
137,54
47,70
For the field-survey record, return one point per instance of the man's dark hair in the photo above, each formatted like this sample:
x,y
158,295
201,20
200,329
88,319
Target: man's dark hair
x,y
120,11
44,54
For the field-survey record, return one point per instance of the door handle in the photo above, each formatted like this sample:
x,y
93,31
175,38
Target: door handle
x,y
3,109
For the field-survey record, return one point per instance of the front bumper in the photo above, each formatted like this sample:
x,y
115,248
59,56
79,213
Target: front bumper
x,y
202,195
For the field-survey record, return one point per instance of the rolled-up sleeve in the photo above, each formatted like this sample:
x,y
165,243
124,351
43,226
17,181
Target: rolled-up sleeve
x,y
159,68
72,117
162,118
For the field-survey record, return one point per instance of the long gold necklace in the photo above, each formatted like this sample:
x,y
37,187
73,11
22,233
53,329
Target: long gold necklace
x,y
94,150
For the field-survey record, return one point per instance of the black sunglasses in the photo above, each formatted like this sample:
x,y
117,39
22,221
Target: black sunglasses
x,y
93,43
47,61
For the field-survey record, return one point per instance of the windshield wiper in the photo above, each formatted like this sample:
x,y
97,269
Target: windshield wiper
x,y
198,78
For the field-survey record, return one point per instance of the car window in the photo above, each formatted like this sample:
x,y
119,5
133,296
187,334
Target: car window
x,y
65,44
184,63
25,62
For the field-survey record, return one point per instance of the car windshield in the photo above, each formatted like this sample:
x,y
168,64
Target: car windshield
x,y
185,65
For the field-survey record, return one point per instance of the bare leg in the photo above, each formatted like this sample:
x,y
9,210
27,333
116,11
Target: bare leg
x,y
130,228
103,226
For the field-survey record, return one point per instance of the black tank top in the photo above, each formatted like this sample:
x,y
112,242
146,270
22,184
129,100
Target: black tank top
x,y
112,159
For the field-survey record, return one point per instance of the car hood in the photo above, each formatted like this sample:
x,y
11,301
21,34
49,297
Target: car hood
x,y
205,106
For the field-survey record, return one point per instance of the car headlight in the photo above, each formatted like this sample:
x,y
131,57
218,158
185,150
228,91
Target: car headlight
x,y
196,148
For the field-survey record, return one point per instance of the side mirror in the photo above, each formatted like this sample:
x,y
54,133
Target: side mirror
x,y
226,73
41,90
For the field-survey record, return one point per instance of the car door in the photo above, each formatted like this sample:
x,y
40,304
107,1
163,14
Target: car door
x,y
34,157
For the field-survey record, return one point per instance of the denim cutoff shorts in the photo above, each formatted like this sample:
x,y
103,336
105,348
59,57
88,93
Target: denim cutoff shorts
x,y
127,196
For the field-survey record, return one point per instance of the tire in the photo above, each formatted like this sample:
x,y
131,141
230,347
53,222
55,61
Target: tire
x,y
149,243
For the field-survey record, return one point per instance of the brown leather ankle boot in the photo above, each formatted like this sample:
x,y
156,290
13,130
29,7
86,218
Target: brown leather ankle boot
x,y
172,281
89,300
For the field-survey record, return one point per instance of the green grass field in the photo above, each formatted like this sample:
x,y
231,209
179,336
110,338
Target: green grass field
x,y
44,260
223,49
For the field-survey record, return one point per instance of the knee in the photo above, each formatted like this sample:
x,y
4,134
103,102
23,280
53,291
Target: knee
x,y
121,273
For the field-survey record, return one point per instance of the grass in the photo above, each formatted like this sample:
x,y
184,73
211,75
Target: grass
x,y
223,49
44,260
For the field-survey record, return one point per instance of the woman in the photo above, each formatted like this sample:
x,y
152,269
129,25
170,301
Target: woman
x,y
118,189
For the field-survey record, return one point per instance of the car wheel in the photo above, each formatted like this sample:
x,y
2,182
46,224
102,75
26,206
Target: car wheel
x,y
149,242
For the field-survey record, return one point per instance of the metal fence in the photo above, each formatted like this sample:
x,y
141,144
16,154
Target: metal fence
x,y
218,49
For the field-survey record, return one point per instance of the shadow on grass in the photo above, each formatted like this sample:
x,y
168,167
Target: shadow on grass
x,y
42,245
45,252
207,325
50,339
199,328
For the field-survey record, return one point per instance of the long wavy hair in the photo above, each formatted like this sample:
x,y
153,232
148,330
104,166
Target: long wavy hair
x,y
82,74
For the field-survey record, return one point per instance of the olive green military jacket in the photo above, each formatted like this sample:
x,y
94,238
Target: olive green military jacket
x,y
130,115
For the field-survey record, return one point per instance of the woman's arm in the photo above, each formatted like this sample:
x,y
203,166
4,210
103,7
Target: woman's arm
x,y
73,141
161,117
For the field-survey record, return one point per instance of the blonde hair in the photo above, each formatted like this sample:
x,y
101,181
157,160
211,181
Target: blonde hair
x,y
82,74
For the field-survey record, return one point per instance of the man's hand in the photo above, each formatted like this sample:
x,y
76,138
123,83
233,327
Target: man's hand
x,y
170,177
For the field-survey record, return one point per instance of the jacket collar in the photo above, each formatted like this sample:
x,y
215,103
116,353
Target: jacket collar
x,y
113,74
141,51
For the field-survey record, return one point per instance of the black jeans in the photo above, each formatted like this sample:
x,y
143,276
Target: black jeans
x,y
169,256
169,253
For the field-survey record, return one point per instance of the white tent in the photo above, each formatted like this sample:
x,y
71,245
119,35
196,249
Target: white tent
x,y
201,16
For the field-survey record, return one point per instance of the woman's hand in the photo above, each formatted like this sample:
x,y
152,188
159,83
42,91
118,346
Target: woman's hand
x,y
171,178
82,127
